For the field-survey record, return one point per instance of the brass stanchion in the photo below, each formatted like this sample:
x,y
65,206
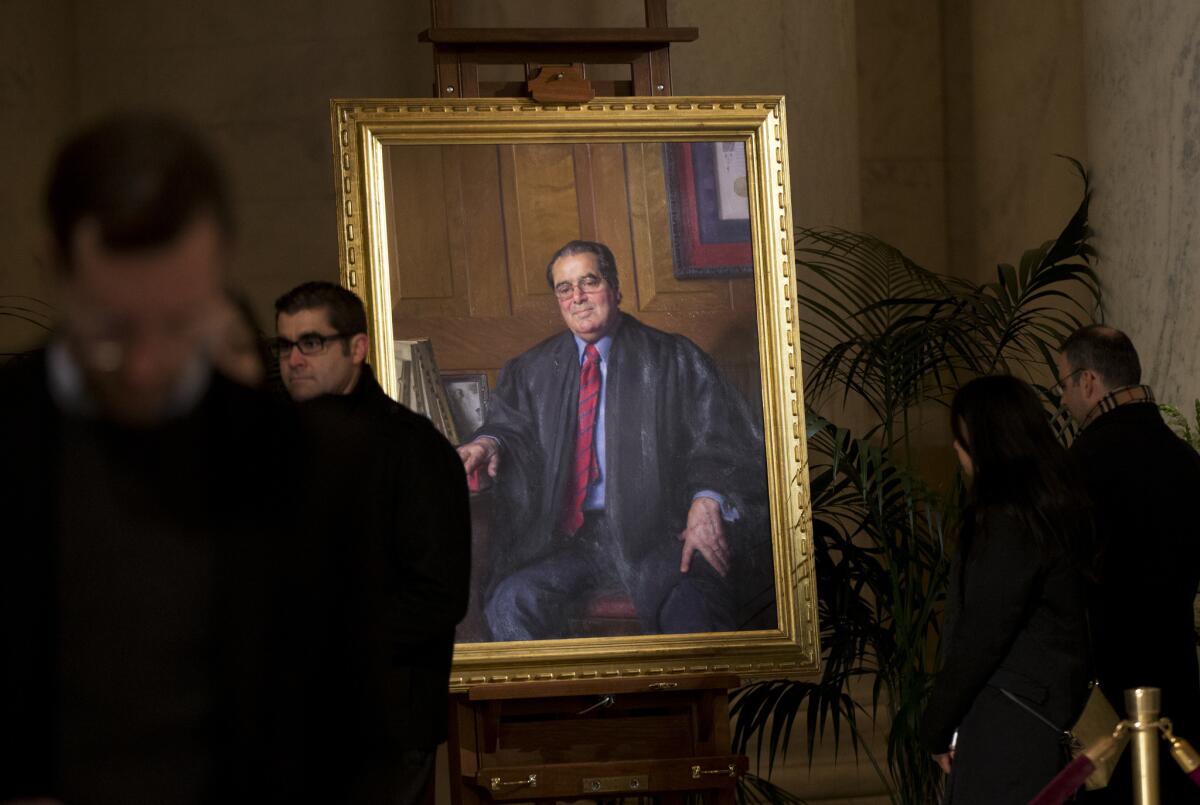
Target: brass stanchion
x,y
1143,705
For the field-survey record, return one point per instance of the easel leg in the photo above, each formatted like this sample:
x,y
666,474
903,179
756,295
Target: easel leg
x,y
460,736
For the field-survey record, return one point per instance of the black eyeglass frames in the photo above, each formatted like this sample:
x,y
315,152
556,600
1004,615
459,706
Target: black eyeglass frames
x,y
308,344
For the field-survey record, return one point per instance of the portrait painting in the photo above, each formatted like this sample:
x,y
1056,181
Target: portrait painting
x,y
606,292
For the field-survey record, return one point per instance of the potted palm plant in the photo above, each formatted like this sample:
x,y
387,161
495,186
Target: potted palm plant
x,y
898,338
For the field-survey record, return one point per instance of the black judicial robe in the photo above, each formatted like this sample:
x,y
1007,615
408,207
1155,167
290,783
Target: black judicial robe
x,y
673,427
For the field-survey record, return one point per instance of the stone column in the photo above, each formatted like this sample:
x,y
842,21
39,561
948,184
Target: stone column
x,y
1014,100
1142,83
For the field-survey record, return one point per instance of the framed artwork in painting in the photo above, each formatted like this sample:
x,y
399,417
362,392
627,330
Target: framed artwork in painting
x,y
707,192
467,394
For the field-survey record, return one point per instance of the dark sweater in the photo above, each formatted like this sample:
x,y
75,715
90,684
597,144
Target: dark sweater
x,y
135,601
159,631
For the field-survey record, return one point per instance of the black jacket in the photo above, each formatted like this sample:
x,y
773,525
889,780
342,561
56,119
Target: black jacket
x,y
1014,621
1145,481
404,484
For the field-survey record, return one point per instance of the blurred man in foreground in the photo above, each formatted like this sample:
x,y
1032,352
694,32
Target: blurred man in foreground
x,y
148,582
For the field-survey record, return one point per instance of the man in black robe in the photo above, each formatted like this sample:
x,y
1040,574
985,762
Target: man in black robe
x,y
412,498
1142,479
656,490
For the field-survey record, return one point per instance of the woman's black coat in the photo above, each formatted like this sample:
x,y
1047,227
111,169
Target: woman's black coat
x,y
1014,621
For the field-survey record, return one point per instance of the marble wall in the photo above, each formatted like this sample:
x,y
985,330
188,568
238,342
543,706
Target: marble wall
x,y
805,50
1026,100
1143,115
902,114
962,107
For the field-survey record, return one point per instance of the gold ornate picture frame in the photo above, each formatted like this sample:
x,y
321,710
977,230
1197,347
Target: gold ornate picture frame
x,y
448,213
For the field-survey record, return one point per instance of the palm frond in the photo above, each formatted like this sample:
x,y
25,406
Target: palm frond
x,y
882,329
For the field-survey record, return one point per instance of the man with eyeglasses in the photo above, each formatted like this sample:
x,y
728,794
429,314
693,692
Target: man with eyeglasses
x,y
1143,480
623,461
322,343
412,500
160,541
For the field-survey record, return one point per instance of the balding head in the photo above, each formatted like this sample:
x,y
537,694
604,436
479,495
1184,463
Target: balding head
x,y
1093,361
1106,351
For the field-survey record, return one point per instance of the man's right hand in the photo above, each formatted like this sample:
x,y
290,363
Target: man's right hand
x,y
705,533
482,453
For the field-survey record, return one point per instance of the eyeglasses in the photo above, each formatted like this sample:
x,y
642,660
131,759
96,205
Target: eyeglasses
x,y
105,342
308,344
589,285
1058,388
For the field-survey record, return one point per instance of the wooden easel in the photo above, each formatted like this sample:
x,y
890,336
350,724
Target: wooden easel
x,y
550,52
583,739
580,739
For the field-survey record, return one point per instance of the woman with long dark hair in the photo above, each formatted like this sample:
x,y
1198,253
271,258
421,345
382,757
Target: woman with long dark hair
x,y
1015,670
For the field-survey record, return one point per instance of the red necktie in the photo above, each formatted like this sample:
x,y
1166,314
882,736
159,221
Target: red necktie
x,y
586,468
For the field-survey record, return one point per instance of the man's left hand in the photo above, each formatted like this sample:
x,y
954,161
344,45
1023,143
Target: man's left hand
x,y
705,533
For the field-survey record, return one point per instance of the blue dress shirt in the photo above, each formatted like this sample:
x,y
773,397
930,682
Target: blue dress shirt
x,y
594,500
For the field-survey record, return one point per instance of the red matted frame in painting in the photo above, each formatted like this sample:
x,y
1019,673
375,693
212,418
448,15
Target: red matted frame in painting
x,y
705,244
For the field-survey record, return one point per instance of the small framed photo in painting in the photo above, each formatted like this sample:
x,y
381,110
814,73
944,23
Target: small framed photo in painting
x,y
709,209
467,394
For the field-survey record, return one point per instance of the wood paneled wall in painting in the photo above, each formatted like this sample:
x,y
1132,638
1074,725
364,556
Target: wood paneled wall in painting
x,y
471,228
